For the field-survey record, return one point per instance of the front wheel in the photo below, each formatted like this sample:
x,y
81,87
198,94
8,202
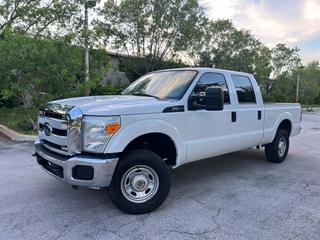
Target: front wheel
x,y
277,151
141,182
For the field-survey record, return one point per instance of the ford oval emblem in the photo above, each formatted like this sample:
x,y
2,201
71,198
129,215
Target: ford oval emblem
x,y
47,129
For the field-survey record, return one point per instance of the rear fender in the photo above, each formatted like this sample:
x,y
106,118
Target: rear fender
x,y
270,133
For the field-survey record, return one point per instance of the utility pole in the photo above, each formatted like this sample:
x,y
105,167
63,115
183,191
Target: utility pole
x,y
87,4
297,90
86,46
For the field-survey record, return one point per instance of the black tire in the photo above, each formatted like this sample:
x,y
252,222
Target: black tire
x,y
272,149
133,160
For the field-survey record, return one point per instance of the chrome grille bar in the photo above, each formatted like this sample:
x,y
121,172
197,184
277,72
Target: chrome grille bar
x,y
59,128
55,123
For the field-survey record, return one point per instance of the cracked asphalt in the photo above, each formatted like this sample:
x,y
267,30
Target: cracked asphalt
x,y
235,196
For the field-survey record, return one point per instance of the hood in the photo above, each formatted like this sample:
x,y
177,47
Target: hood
x,y
115,105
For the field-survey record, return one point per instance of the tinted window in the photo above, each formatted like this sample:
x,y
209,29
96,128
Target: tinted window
x,y
244,89
212,80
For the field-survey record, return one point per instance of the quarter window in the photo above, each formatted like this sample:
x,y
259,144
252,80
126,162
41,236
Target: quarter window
x,y
212,80
244,89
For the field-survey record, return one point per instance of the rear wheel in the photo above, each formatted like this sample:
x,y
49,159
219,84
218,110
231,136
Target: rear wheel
x,y
277,151
141,182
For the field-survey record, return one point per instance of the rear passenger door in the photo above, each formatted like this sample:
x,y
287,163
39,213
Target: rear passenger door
x,y
248,112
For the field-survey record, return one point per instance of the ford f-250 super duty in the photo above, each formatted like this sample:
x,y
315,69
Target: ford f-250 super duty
x,y
163,120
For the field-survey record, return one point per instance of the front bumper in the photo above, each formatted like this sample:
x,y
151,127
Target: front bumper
x,y
80,170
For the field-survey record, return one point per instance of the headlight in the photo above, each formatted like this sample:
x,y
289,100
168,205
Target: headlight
x,y
98,131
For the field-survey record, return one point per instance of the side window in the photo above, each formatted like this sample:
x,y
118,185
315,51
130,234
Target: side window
x,y
244,89
212,80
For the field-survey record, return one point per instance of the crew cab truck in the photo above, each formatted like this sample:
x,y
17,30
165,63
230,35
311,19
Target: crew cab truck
x,y
163,120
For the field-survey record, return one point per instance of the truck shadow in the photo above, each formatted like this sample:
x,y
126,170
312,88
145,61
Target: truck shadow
x,y
226,169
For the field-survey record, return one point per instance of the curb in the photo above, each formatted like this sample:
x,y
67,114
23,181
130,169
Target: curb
x,y
14,136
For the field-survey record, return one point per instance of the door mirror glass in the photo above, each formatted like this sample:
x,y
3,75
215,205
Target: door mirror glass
x,y
214,99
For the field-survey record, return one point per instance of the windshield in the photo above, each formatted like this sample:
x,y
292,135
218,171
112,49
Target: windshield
x,y
166,84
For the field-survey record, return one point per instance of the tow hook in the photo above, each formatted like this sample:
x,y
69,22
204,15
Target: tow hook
x,y
75,187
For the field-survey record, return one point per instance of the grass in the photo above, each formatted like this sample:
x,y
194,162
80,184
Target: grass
x,y
17,119
310,105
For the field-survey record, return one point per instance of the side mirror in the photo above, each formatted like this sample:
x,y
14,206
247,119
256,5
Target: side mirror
x,y
214,99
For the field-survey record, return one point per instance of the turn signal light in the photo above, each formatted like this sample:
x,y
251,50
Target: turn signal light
x,y
112,128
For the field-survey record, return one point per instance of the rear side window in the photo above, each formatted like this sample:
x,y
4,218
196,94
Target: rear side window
x,y
212,80
244,89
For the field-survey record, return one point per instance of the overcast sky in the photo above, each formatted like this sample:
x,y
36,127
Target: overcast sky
x,y
294,22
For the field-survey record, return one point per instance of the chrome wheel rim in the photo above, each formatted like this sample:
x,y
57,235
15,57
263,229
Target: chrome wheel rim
x,y
139,184
282,146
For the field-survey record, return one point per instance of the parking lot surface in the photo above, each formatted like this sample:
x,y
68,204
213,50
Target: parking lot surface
x,y
235,196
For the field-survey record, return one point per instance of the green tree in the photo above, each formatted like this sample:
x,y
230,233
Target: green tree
x,y
225,46
284,60
135,67
309,83
156,29
36,17
36,70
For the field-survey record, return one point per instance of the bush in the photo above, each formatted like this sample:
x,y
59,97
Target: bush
x,y
135,67
34,71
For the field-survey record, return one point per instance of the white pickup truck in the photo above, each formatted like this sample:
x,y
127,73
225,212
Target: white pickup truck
x,y
163,120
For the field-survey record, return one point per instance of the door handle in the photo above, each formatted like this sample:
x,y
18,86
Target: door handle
x,y
259,115
233,116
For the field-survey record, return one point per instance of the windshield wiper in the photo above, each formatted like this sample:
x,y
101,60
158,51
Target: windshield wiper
x,y
144,95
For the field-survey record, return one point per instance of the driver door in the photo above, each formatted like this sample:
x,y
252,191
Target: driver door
x,y
209,133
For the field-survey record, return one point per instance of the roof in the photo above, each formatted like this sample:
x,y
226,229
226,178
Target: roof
x,y
205,69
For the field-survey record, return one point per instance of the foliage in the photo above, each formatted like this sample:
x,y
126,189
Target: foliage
x,y
107,90
284,89
284,61
135,67
224,46
310,83
156,29
36,16
35,70
16,118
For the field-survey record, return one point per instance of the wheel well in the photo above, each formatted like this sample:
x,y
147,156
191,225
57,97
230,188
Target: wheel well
x,y
158,143
285,125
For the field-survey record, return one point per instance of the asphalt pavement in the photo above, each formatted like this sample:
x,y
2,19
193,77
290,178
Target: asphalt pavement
x,y
234,196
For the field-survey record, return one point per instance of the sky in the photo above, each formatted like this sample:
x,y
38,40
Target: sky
x,y
294,22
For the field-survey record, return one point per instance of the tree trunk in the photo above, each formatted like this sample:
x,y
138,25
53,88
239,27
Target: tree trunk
x,y
27,104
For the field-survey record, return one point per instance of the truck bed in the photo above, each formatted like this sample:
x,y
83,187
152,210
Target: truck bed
x,y
271,105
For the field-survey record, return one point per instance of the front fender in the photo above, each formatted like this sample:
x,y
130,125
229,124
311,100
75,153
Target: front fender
x,y
122,138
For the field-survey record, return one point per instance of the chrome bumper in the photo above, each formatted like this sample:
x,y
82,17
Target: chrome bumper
x,y
63,167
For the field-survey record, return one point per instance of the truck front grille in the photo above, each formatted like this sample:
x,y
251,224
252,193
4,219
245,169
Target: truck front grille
x,y
55,131
60,132
55,115
53,145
